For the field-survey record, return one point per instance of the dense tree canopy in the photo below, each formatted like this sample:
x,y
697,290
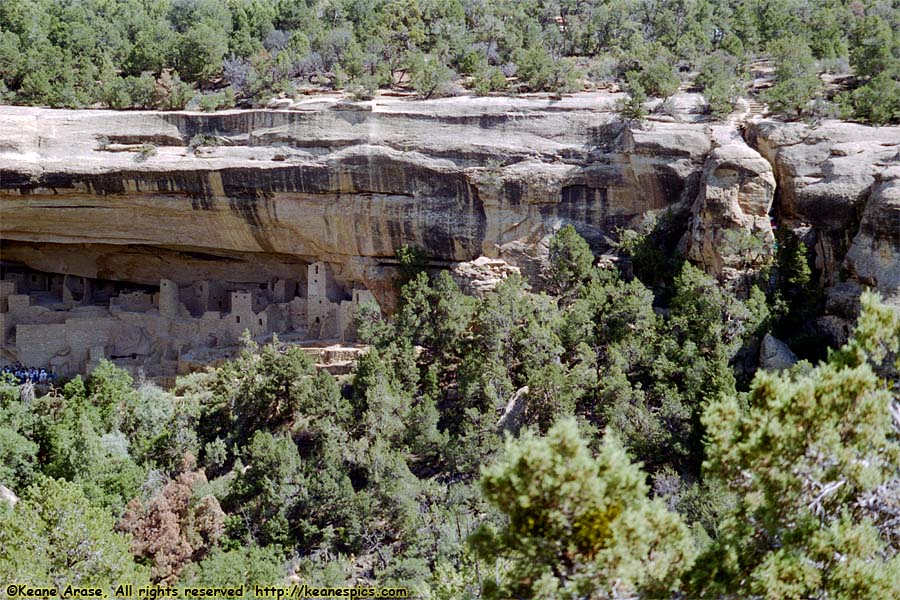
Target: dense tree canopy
x,y
810,460
160,53
607,435
54,536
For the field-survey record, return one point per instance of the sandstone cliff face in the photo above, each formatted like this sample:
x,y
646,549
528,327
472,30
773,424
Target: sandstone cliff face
x,y
730,227
343,183
843,180
348,183
874,255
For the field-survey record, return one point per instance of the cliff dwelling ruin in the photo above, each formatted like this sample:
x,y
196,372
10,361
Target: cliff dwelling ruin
x,y
292,219
68,324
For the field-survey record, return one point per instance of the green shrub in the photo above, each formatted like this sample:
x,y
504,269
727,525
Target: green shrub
x,y
719,99
172,93
876,102
487,78
578,524
145,152
428,75
202,140
659,79
542,71
363,88
796,81
115,93
717,79
632,107
217,100
142,90
55,537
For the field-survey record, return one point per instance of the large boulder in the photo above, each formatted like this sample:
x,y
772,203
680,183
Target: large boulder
x,y
514,412
775,355
834,329
7,495
842,299
482,275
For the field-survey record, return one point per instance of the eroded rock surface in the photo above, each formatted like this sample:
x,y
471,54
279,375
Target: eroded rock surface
x,y
874,255
267,191
482,275
730,226
775,355
842,180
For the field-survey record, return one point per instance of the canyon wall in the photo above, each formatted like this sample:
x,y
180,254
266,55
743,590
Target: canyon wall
x,y
255,196
345,183
840,184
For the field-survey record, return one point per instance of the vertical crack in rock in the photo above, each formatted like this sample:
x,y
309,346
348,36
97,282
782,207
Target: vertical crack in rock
x,y
840,180
826,181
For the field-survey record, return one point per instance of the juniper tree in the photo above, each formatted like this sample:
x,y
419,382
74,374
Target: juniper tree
x,y
571,263
54,536
796,81
805,459
577,525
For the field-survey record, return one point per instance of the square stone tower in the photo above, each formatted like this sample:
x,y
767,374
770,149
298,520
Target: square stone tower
x,y
168,299
318,306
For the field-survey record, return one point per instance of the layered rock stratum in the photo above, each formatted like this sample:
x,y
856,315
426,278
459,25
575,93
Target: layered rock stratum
x,y
253,195
345,183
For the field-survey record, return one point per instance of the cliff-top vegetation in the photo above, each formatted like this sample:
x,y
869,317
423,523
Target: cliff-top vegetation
x,y
207,54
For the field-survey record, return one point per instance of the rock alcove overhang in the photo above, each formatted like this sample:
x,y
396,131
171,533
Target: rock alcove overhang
x,y
272,191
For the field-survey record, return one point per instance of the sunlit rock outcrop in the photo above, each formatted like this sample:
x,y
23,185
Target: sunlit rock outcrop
x,y
840,179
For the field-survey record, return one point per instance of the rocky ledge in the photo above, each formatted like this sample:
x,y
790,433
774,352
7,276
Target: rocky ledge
x,y
255,194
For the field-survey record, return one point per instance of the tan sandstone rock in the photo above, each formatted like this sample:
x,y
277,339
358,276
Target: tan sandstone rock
x,y
482,275
874,256
324,180
730,221
839,178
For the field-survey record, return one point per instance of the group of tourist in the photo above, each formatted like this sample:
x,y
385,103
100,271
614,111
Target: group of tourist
x,y
29,374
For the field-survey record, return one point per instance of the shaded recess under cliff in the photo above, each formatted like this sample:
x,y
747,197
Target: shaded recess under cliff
x,y
338,182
